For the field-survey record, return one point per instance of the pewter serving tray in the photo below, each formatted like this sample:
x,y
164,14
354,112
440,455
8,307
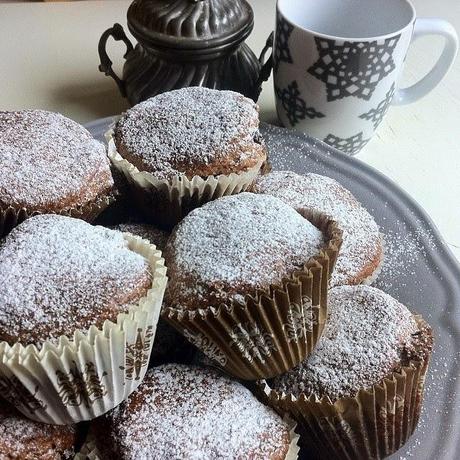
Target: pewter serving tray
x,y
419,270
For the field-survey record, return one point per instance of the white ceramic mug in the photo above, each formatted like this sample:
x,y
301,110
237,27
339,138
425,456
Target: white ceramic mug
x,y
337,64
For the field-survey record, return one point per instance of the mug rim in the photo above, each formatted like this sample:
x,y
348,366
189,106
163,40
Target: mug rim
x,y
350,39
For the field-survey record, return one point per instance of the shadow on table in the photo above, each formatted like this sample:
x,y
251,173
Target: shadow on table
x,y
269,116
99,98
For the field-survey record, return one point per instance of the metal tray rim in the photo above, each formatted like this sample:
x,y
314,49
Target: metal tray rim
x,y
440,255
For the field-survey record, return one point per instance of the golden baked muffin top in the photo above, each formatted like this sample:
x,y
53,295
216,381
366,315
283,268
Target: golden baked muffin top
x,y
184,411
59,274
193,132
49,163
361,253
21,438
234,246
368,336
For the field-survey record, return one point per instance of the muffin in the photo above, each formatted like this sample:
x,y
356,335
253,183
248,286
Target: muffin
x,y
24,439
50,164
359,393
169,345
123,208
190,412
361,254
78,292
183,148
77,276
248,282
148,232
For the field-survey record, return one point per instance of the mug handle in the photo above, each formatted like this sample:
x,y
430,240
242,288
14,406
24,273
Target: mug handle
x,y
431,26
266,65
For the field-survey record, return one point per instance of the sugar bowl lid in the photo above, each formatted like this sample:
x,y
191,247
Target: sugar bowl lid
x,y
190,24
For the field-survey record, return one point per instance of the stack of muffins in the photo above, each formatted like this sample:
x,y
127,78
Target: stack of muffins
x,y
268,323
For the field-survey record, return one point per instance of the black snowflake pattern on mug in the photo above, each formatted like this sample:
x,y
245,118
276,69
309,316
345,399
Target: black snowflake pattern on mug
x,y
350,145
376,115
353,68
283,33
295,107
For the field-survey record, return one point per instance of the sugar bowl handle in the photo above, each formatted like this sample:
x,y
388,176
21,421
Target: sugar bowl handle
x,y
105,66
266,64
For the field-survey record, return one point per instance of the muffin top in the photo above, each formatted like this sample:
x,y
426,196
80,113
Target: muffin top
x,y
184,411
368,336
233,246
49,163
193,132
21,438
148,232
59,274
361,252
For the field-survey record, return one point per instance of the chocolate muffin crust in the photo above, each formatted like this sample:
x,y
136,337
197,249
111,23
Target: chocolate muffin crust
x,y
368,336
361,253
50,163
233,246
191,132
189,412
24,439
59,274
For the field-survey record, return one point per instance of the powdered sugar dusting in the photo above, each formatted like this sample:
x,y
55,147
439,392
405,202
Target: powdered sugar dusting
x,y
20,437
363,341
58,274
405,251
361,247
190,412
47,159
235,245
193,126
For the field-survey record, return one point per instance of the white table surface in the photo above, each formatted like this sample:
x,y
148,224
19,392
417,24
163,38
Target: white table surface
x,y
49,60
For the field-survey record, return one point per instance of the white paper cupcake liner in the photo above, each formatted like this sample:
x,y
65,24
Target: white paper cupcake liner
x,y
167,201
294,448
81,378
88,451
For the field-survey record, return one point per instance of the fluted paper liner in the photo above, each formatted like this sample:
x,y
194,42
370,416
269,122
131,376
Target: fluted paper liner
x,y
89,451
275,329
81,378
294,448
168,201
11,217
372,425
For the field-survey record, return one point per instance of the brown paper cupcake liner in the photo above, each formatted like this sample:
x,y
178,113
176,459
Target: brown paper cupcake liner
x,y
165,201
275,329
11,217
89,451
81,377
372,425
